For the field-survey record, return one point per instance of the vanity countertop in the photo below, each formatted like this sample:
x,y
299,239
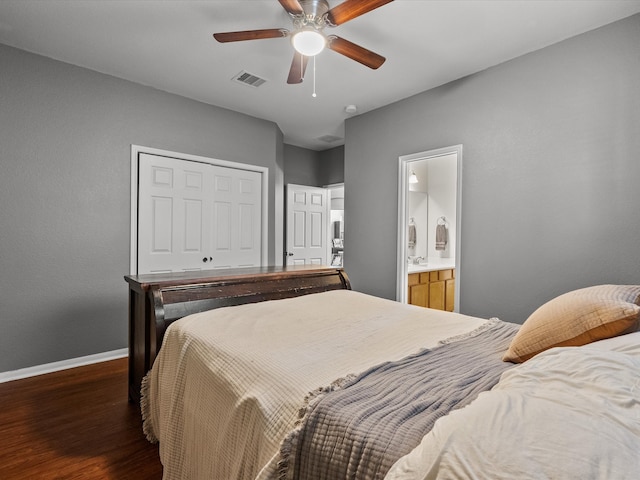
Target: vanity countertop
x,y
432,265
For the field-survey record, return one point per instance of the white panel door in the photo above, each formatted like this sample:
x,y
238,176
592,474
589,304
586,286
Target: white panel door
x,y
307,223
236,217
197,216
172,207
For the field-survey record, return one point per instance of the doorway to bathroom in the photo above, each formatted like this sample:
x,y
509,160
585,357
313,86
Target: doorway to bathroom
x,y
429,205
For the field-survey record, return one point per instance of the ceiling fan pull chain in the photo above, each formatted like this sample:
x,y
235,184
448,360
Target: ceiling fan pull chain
x,y
314,77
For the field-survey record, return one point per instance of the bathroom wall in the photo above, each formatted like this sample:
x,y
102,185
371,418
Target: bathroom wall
x,y
442,190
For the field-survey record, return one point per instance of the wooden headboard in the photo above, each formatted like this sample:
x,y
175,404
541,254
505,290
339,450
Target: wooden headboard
x,y
157,300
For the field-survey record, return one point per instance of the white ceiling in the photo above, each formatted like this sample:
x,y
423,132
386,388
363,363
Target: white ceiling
x,y
169,45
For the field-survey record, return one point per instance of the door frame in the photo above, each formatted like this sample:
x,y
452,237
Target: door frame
x,y
404,167
136,150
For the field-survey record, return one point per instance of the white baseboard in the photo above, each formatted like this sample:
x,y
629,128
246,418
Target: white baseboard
x,y
62,365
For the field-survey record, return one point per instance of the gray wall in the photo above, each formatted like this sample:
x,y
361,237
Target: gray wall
x,y
550,189
332,166
301,166
65,138
308,167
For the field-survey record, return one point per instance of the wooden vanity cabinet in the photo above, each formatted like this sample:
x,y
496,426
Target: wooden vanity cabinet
x,y
419,289
434,289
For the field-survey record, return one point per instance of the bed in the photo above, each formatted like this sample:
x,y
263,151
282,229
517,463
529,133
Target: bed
x,y
323,382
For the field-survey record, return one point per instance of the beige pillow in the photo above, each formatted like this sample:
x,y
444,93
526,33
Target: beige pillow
x,y
577,318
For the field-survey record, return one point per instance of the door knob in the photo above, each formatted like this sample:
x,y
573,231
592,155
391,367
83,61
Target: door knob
x,y
289,254
205,259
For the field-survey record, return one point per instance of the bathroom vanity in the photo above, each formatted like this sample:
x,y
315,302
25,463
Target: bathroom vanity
x,y
432,286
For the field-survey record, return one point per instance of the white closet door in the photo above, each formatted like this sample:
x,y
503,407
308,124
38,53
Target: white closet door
x,y
172,208
196,216
307,223
236,217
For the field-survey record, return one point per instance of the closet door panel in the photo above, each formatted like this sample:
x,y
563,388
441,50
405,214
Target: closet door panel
x,y
237,240
171,209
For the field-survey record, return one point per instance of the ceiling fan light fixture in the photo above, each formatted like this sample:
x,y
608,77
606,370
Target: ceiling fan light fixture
x,y
308,42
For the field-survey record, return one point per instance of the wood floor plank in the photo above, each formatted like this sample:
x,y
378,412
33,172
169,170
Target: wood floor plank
x,y
74,424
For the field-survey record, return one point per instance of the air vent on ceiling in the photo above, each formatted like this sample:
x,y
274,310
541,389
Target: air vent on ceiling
x,y
329,138
250,79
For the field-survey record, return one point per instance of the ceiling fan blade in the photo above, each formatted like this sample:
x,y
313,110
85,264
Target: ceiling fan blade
x,y
350,9
298,67
292,6
355,52
250,35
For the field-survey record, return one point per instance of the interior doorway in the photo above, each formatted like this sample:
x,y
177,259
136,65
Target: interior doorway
x,y
307,226
435,167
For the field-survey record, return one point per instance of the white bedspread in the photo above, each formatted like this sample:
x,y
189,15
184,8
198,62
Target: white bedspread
x,y
568,413
227,384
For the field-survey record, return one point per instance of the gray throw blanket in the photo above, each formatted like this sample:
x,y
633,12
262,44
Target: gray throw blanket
x,y
359,427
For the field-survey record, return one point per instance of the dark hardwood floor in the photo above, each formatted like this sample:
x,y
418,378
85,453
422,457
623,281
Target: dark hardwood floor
x,y
74,424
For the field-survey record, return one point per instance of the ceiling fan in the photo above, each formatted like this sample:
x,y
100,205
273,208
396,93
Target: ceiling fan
x,y
310,17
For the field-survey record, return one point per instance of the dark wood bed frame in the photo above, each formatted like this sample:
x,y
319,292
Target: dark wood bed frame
x,y
157,300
